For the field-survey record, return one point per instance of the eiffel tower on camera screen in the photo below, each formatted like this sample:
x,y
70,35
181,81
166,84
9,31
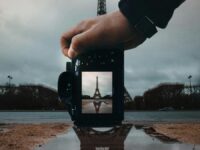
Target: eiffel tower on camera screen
x,y
97,87
97,92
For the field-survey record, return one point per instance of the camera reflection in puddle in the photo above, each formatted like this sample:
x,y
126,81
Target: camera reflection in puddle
x,y
102,138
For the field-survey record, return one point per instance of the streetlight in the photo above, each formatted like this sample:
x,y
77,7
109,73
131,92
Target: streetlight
x,y
190,79
9,80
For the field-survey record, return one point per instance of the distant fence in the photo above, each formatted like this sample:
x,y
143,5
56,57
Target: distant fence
x,y
195,89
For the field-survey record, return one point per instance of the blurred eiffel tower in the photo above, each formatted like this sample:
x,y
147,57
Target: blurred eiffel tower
x,y
101,10
127,96
101,7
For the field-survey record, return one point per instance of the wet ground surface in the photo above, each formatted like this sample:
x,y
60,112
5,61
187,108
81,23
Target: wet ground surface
x,y
126,137
3,128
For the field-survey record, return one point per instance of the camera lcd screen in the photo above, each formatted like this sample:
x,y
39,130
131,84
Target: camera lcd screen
x,y
97,92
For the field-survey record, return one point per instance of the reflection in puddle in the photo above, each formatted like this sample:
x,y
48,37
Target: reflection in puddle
x,y
125,137
112,139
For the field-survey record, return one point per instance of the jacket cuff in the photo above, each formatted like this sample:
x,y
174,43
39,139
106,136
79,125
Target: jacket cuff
x,y
133,10
158,11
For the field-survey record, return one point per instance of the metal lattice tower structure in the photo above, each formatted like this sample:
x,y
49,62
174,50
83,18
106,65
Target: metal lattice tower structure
x,y
97,94
127,96
101,7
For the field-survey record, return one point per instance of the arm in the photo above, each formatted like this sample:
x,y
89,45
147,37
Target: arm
x,y
119,28
159,11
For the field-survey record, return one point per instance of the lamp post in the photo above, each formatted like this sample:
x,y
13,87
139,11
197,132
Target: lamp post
x,y
9,80
190,79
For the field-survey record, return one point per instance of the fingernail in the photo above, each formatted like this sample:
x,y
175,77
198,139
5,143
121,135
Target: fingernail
x,y
71,53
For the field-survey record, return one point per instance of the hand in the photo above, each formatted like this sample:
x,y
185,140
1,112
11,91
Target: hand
x,y
103,32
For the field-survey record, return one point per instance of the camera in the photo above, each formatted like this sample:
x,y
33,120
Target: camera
x,y
92,88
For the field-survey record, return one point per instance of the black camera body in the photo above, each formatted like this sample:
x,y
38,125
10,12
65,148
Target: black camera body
x,y
92,88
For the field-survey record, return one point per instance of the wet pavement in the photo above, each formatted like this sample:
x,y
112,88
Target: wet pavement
x,y
125,137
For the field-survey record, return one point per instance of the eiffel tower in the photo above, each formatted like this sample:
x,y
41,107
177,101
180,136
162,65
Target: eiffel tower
x,y
101,7
97,94
101,10
127,96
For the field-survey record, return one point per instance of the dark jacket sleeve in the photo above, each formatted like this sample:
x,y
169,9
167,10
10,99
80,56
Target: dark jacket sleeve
x,y
159,11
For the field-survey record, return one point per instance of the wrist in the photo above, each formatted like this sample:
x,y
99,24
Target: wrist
x,y
137,17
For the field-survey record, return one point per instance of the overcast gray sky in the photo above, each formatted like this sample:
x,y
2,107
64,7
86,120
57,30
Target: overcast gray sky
x,y
29,43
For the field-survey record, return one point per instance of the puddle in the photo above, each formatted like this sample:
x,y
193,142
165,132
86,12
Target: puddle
x,y
126,137
4,128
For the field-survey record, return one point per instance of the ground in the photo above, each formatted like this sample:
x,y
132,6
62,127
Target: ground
x,y
183,132
28,136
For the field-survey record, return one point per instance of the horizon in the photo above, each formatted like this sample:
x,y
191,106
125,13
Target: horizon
x,y
92,91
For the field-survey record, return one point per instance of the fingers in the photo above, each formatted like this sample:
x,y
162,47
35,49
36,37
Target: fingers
x,y
86,40
103,32
70,37
66,39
